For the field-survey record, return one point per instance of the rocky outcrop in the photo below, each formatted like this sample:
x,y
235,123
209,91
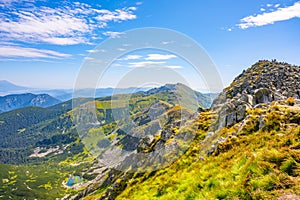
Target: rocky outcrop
x,y
154,142
264,82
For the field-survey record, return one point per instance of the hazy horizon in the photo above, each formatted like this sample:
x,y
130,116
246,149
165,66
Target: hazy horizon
x,y
44,44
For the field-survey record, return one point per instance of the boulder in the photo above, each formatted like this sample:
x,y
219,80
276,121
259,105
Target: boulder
x,y
262,95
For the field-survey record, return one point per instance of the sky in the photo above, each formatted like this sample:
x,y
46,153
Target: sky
x,y
44,44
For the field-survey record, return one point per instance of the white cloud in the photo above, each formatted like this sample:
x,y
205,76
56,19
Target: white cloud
x,y
65,41
96,50
173,66
153,64
8,2
269,5
117,15
277,5
117,65
281,14
112,34
88,58
262,9
69,24
167,42
160,56
121,49
17,51
131,57
92,51
146,64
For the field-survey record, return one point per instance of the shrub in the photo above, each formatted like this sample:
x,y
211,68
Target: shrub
x,y
274,156
223,194
267,183
290,101
211,183
272,121
289,166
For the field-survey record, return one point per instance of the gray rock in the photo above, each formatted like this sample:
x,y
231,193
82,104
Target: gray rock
x,y
234,134
263,95
264,82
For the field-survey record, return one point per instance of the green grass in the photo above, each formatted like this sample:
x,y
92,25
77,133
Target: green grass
x,y
255,164
261,164
41,181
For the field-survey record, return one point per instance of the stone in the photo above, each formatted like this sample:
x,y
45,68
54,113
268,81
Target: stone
x,y
201,158
263,83
262,95
241,112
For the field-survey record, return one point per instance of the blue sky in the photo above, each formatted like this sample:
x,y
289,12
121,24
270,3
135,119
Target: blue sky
x,y
44,43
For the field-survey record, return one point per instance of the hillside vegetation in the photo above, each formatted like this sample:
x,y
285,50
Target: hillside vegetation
x,y
252,163
40,147
246,146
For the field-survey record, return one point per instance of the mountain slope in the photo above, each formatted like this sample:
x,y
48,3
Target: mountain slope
x,y
28,127
11,102
246,163
246,146
239,149
184,94
6,86
47,137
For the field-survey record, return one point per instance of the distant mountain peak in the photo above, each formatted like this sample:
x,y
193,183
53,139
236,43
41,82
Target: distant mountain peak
x,y
183,92
7,82
4,81
168,87
6,86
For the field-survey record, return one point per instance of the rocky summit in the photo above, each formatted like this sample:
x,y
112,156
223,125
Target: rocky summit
x,y
262,83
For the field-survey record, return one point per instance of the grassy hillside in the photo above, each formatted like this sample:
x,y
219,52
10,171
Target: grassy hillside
x,y
246,147
40,147
253,156
252,163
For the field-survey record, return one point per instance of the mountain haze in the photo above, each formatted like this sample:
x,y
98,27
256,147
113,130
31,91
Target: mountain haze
x,y
6,86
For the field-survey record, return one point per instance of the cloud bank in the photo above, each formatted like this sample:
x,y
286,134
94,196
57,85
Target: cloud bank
x,y
65,25
281,14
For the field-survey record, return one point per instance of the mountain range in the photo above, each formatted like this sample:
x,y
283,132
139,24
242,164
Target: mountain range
x,y
166,143
20,97
11,102
8,88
